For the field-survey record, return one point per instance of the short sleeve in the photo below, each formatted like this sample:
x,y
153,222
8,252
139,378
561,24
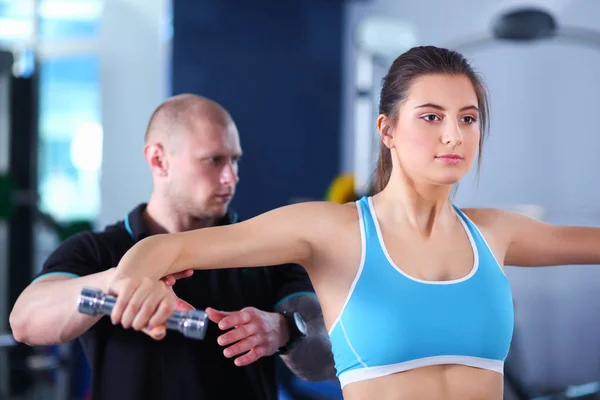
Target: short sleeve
x,y
77,256
290,280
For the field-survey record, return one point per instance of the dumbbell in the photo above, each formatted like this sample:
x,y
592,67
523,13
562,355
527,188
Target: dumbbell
x,y
192,324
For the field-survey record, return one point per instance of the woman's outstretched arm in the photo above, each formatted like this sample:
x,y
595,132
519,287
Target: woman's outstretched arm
x,y
528,242
280,236
275,237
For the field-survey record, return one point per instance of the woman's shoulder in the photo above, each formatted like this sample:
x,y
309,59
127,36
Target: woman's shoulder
x,y
494,220
324,210
301,216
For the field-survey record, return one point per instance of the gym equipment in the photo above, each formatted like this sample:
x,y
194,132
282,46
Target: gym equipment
x,y
192,324
7,187
341,190
18,166
20,219
528,24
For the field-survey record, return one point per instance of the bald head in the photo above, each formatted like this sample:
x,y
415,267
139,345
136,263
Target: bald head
x,y
180,113
192,148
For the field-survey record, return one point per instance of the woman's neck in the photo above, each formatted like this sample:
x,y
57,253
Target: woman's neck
x,y
423,206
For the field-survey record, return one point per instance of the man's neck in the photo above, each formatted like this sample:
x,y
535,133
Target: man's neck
x,y
160,217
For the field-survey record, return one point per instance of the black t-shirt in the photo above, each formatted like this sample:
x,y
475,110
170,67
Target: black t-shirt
x,y
128,365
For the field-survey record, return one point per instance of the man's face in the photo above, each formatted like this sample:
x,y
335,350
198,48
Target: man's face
x,y
203,168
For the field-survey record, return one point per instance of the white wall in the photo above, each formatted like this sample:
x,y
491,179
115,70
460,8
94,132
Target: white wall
x,y
543,150
134,51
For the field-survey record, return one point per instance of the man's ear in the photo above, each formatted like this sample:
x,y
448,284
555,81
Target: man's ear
x,y
155,157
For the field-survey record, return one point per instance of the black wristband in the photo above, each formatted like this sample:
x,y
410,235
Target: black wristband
x,y
297,329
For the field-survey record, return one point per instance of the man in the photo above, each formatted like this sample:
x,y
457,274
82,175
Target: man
x,y
192,148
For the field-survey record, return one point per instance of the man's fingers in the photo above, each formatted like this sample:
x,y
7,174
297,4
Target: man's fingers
x,y
242,346
235,319
185,274
170,280
216,315
148,308
182,305
123,290
252,356
135,304
156,333
162,314
237,334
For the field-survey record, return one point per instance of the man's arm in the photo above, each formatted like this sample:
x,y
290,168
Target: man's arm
x,y
311,358
46,312
250,333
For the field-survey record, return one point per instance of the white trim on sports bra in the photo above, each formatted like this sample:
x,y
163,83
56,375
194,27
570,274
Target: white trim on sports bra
x,y
363,254
393,264
362,374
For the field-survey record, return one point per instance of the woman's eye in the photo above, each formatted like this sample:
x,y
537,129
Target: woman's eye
x,y
430,117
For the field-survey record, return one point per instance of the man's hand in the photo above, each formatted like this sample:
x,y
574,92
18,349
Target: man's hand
x,y
256,333
170,280
180,305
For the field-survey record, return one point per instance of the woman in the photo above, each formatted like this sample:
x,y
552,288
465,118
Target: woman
x,y
412,288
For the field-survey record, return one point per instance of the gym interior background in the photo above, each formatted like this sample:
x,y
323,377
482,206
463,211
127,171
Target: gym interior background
x,y
79,79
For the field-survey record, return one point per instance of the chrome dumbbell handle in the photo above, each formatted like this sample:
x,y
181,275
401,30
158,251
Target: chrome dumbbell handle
x,y
192,324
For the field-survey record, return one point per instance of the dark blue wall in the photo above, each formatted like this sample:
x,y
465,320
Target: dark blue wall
x,y
276,66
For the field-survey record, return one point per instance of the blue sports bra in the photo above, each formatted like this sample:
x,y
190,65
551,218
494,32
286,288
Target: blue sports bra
x,y
392,322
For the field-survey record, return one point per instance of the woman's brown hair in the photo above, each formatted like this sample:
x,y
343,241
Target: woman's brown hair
x,y
416,62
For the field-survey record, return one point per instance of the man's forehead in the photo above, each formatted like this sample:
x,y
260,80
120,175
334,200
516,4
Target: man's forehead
x,y
206,131
212,139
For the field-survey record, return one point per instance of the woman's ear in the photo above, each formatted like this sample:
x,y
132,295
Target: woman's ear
x,y
385,128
